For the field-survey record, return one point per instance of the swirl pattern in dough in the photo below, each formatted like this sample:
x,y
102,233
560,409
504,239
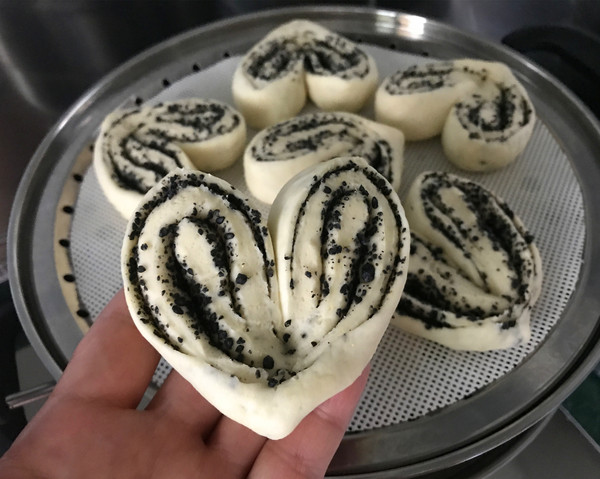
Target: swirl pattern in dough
x,y
299,59
279,152
267,331
481,110
136,147
474,271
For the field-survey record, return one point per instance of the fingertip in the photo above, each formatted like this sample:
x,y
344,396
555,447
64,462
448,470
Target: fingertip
x,y
308,450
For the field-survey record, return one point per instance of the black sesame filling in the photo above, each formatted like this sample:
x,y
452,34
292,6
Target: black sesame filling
x,y
364,254
272,60
505,115
334,55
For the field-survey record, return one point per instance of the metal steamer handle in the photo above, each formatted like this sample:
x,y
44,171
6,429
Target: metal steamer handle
x,y
22,398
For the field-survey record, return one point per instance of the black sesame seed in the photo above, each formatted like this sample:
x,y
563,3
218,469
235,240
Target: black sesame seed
x,y
268,362
367,273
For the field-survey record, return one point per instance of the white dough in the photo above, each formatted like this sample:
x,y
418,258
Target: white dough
x,y
273,80
136,147
483,113
474,271
281,151
418,100
267,331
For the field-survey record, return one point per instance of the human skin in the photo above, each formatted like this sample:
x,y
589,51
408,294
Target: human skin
x,y
90,425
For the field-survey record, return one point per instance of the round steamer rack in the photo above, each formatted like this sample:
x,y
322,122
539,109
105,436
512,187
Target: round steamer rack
x,y
427,411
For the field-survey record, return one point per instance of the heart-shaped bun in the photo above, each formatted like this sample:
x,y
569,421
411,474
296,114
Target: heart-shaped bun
x,y
267,329
281,151
475,272
136,147
297,60
483,113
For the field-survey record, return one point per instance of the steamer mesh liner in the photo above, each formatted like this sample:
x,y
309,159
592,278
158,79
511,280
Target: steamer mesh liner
x,y
410,376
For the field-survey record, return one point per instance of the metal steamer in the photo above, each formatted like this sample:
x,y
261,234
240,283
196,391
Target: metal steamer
x,y
438,429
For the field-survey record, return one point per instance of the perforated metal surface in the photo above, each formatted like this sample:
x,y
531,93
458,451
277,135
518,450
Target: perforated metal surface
x,y
410,376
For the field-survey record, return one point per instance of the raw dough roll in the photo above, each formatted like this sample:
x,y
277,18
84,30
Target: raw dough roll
x,y
297,59
279,152
417,100
489,128
137,147
267,336
483,113
474,270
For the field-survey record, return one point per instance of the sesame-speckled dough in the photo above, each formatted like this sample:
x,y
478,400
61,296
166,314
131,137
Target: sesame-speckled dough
x,y
136,147
299,59
474,270
279,152
483,113
267,327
